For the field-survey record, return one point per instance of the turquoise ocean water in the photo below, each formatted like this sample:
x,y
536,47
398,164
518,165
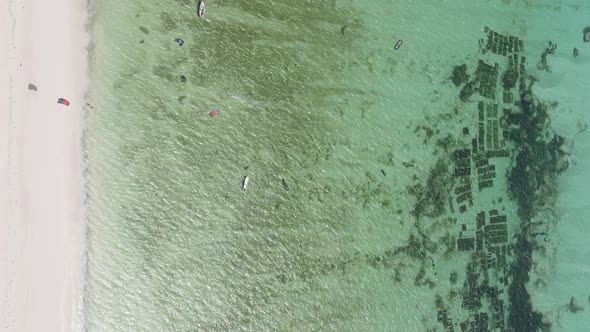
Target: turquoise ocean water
x,y
382,196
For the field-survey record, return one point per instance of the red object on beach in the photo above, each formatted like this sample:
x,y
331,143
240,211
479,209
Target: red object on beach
x,y
214,113
63,101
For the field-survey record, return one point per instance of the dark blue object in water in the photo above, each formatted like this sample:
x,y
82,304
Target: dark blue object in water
x,y
398,45
179,41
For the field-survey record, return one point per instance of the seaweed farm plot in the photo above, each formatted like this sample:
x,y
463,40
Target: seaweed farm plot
x,y
486,233
488,186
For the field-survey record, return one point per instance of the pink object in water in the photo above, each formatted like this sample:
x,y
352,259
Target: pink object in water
x,y
214,113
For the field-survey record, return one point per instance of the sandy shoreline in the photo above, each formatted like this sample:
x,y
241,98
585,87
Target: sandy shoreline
x,y
41,214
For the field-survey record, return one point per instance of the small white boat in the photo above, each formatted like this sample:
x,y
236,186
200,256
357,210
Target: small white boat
x,y
245,183
201,8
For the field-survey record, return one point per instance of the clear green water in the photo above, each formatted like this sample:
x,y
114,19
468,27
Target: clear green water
x,y
310,92
174,242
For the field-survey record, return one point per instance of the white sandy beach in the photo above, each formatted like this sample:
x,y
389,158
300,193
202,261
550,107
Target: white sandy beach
x,y
41,198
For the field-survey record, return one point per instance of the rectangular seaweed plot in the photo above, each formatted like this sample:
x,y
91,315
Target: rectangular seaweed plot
x,y
462,160
487,76
495,234
463,193
485,174
502,44
466,244
480,322
484,297
445,320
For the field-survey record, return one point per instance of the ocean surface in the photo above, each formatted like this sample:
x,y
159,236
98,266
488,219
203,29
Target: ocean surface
x,y
417,189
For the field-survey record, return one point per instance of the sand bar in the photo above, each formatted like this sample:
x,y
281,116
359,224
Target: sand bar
x,y
41,197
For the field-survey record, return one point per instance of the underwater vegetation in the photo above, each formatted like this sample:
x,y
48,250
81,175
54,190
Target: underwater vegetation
x,y
432,199
536,165
542,64
509,78
536,160
460,75
573,306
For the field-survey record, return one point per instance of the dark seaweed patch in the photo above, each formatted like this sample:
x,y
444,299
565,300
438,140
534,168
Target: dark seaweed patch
x,y
521,316
460,75
542,64
536,163
432,200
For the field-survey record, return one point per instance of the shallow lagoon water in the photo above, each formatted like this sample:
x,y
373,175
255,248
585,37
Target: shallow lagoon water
x,y
312,95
